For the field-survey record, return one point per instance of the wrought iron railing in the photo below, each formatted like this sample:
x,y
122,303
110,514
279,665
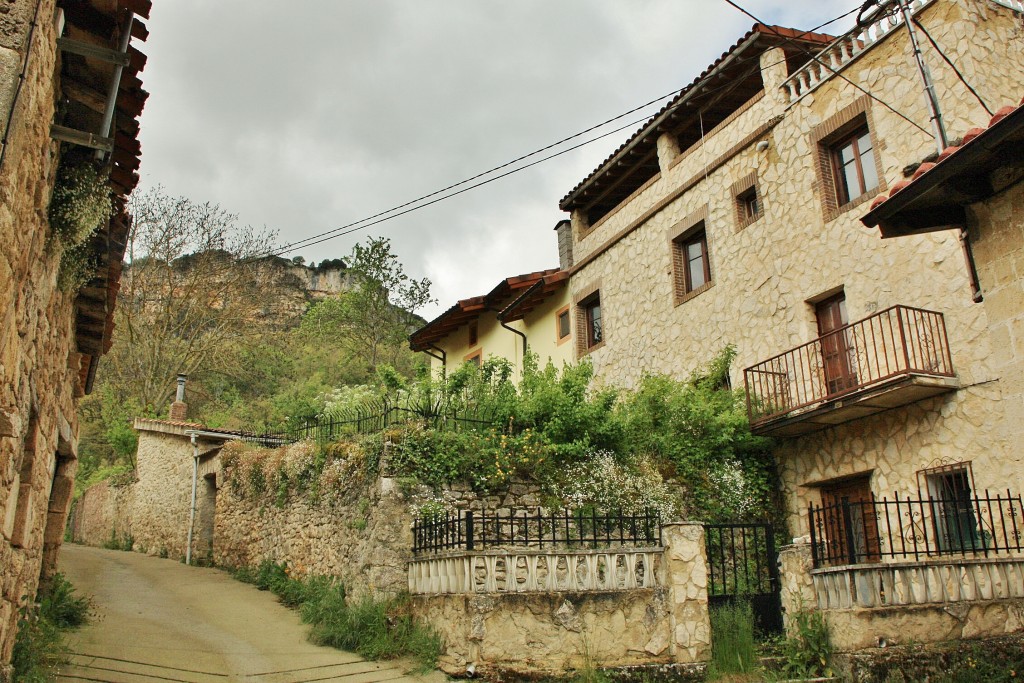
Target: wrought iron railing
x,y
851,532
470,530
371,417
897,341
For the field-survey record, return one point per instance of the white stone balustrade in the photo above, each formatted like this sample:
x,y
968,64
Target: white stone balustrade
x,y
919,583
845,49
1015,5
531,571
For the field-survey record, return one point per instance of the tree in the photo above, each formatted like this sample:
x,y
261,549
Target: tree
x,y
193,287
376,316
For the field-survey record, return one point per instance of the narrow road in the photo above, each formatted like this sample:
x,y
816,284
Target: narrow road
x,y
157,620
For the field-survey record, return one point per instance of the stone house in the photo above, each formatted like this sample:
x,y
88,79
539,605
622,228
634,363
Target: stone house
x,y
732,217
523,313
69,87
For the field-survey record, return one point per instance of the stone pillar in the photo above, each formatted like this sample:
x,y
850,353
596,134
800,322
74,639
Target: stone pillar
x,y
795,577
579,222
668,151
774,72
564,232
686,576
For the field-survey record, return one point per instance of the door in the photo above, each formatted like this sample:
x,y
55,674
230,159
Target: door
x,y
851,525
838,355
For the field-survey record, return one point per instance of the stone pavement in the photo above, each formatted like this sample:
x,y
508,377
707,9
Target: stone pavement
x,y
156,620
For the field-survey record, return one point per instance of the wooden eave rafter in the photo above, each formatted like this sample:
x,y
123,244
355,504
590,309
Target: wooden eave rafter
x,y
936,200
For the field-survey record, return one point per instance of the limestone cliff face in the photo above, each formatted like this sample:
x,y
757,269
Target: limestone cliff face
x,y
322,282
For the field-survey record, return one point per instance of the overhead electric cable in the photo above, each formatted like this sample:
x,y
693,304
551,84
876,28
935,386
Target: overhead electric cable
x,y
839,75
952,66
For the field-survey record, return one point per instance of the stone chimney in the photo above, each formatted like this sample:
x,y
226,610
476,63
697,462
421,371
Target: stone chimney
x,y
564,232
179,409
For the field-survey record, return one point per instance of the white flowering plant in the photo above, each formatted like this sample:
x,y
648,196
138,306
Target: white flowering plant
x,y
604,481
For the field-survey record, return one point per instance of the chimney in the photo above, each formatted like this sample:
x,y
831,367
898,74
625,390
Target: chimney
x,y
179,409
564,232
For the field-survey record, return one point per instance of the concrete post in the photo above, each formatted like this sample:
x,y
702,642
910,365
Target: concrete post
x,y
686,576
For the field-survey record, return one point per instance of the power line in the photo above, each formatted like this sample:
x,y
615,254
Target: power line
x,y
836,73
952,66
397,211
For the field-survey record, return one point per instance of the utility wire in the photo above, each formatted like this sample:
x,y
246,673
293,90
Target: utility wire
x,y
952,66
836,73
397,210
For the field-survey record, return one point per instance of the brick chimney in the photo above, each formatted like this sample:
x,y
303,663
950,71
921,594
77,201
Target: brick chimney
x,y
179,409
564,232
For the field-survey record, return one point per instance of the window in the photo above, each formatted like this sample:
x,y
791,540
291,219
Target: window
x,y
853,166
476,358
952,507
473,337
692,264
748,200
592,316
562,325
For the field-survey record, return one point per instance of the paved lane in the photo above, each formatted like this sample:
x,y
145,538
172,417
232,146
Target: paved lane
x,y
157,620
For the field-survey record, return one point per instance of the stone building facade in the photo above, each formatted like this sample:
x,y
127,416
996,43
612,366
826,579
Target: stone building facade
x,y
733,218
51,338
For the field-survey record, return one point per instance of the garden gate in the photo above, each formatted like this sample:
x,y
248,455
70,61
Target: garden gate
x,y
743,563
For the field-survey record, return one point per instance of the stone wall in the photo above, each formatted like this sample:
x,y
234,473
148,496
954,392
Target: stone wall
x,y
553,632
102,513
39,363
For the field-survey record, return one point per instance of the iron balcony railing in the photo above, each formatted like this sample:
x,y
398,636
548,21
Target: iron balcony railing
x,y
851,532
469,530
898,341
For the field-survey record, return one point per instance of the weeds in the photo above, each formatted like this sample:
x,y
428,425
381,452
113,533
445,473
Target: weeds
x,y
39,645
375,627
733,649
116,542
807,650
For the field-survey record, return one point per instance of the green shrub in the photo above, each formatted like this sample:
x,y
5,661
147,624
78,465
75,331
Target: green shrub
x,y
39,644
733,648
807,650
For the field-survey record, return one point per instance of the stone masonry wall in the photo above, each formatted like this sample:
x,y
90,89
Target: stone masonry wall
x,y
102,513
39,363
766,274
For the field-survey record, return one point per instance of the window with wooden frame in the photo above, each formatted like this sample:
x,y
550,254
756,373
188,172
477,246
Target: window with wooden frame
x,y
563,326
950,491
748,201
853,166
691,258
589,319
593,322
473,335
476,358
847,158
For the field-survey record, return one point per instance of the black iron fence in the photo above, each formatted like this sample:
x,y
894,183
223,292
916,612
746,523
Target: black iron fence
x,y
854,531
371,417
743,565
469,530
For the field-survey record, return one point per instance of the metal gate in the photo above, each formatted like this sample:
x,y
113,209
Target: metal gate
x,y
743,563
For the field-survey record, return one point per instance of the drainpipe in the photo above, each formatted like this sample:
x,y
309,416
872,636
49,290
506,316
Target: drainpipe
x,y
514,331
501,315
192,511
972,269
115,82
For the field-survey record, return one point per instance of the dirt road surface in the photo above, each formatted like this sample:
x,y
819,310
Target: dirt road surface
x,y
157,620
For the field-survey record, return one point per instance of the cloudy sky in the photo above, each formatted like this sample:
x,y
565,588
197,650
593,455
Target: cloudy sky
x,y
314,114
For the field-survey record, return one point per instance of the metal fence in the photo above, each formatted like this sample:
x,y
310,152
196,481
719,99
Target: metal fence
x,y
743,565
469,530
897,341
851,532
371,417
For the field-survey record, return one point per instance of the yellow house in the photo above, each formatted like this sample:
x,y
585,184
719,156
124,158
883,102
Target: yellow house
x,y
733,217
522,314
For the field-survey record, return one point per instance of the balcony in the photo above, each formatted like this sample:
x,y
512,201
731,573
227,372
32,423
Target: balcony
x,y
889,359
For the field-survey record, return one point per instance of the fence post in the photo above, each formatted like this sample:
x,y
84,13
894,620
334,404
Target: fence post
x,y
685,568
469,530
851,547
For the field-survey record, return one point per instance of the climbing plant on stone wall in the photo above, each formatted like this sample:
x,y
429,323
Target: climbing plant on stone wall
x,y
79,205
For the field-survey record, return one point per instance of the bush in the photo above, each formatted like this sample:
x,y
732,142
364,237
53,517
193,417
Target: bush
x,y
733,649
39,645
807,649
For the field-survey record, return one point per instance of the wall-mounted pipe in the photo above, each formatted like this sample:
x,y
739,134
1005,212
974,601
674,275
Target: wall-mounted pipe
x,y
192,510
115,82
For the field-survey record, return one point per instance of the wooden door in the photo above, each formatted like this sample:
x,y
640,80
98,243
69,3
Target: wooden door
x,y
838,355
851,524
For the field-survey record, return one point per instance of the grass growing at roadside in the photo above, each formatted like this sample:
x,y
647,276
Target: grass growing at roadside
x,y
733,646
39,646
375,627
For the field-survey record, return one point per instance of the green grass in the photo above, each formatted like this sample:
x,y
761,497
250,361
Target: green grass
x,y
733,646
39,645
375,627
